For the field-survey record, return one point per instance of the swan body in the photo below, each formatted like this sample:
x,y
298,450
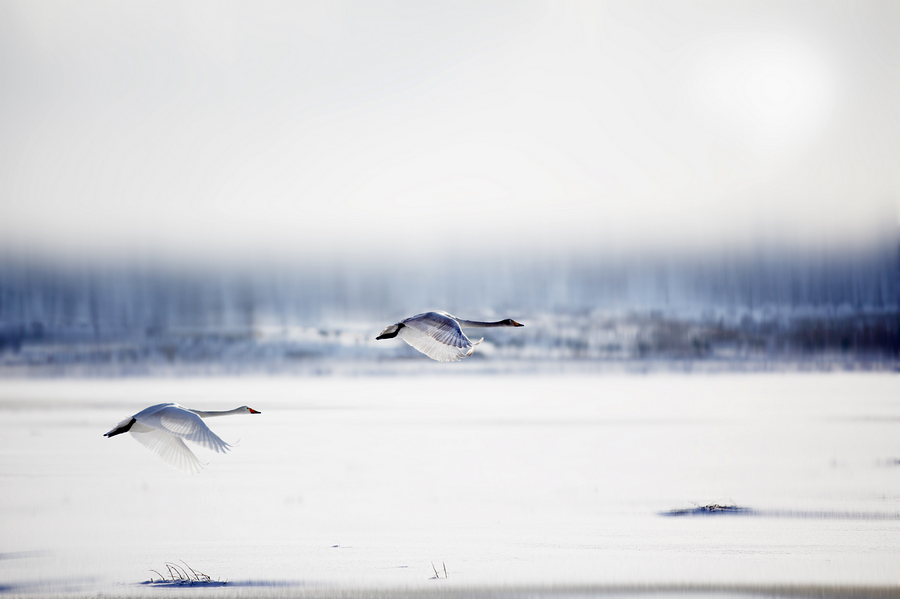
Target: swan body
x,y
165,427
439,335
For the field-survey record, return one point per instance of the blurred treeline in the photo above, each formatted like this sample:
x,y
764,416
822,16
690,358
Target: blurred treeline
x,y
598,307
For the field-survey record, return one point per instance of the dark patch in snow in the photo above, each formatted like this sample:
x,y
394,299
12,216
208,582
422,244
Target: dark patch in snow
x,y
708,510
22,554
186,583
733,510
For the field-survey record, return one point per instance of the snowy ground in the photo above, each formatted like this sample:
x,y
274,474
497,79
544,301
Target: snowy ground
x,y
350,486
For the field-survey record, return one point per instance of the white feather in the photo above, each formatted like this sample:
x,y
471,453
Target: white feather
x,y
439,335
164,428
170,448
180,422
435,347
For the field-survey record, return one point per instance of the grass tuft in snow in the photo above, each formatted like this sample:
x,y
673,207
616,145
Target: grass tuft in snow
x,y
437,576
182,575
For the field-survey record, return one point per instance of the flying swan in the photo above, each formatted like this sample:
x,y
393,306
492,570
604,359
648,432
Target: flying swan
x,y
163,429
439,335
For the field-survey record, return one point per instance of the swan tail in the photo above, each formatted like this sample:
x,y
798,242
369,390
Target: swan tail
x,y
472,347
122,427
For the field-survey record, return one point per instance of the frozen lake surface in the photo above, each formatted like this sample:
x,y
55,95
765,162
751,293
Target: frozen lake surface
x,y
351,486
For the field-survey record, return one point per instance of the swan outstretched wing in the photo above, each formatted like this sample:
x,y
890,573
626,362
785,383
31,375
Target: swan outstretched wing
x,y
183,424
438,336
167,446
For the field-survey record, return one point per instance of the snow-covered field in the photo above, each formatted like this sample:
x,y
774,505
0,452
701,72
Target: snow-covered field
x,y
357,485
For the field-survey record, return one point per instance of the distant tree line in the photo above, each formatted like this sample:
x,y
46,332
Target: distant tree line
x,y
41,302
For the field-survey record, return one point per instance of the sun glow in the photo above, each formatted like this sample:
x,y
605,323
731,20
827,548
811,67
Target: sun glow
x,y
772,94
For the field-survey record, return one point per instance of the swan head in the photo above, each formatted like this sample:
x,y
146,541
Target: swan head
x,y
390,332
249,410
512,323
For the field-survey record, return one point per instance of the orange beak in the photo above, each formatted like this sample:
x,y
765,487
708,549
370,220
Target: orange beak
x,y
252,411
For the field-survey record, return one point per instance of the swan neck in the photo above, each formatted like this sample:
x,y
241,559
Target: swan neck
x,y
474,324
203,414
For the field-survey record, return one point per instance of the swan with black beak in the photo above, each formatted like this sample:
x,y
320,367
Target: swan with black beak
x,y
439,335
165,427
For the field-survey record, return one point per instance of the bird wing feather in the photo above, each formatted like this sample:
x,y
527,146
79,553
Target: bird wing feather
x,y
167,446
184,424
437,336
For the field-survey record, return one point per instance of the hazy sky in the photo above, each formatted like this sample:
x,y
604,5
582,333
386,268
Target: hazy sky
x,y
305,129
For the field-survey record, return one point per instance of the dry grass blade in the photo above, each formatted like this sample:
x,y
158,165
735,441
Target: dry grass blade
x,y
182,575
437,575
195,573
